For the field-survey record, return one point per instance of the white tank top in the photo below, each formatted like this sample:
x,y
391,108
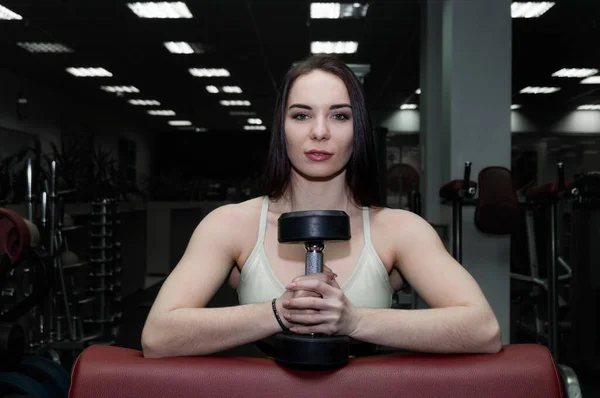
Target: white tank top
x,y
368,285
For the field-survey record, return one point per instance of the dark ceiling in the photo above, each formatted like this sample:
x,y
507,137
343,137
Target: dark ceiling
x,y
257,41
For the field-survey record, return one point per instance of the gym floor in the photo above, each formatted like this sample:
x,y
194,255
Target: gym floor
x,y
137,306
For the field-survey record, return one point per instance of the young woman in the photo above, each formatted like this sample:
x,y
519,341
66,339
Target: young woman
x,y
321,157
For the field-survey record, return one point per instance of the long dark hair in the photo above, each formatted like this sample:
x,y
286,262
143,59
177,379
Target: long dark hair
x,y
361,171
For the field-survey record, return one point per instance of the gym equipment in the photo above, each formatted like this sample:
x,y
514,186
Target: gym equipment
x,y
18,383
14,236
458,193
585,261
50,375
517,371
314,351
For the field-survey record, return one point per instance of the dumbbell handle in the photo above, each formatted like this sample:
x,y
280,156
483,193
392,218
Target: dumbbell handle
x,y
314,258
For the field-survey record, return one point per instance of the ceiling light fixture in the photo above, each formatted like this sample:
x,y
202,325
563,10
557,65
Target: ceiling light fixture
x,y
589,108
418,92
254,121
539,90
515,106
591,80
231,89
182,47
212,89
235,103
338,10
254,127
530,9
142,102
408,106
180,123
161,10
333,47
161,112
242,113
209,72
5,13
120,89
573,72
34,47
89,72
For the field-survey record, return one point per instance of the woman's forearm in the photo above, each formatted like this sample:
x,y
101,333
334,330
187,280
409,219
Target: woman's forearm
x,y
439,330
204,331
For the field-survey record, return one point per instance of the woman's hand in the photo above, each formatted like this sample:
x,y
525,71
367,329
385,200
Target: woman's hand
x,y
326,310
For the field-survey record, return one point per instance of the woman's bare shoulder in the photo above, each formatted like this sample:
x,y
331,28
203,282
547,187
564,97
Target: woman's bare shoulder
x,y
395,221
237,214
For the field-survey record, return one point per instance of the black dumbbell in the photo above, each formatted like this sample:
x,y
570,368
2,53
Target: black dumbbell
x,y
313,229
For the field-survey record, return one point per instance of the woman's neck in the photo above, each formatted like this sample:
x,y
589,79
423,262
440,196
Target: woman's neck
x,y
305,194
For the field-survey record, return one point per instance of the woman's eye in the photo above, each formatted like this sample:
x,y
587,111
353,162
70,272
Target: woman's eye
x,y
341,116
300,116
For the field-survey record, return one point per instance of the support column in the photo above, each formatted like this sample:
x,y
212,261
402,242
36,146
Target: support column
x,y
465,113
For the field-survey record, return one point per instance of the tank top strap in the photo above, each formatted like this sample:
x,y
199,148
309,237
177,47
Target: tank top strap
x,y
263,220
366,226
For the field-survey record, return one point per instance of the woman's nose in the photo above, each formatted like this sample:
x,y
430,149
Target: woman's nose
x,y
319,129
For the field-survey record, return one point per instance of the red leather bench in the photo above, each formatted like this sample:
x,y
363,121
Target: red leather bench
x,y
526,371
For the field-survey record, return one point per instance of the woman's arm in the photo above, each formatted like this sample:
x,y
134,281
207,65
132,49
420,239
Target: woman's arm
x,y
460,319
177,324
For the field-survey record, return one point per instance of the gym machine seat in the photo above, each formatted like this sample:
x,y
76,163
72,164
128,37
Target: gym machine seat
x,y
526,370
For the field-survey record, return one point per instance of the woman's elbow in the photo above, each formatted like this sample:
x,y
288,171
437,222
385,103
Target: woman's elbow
x,y
492,343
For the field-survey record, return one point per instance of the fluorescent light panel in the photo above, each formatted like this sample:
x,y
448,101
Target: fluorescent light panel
x,y
180,123
161,112
89,72
143,102
5,13
515,106
573,72
35,47
539,90
338,10
182,47
225,89
120,89
333,47
160,10
589,108
530,9
209,72
235,103
254,121
408,106
254,127
591,80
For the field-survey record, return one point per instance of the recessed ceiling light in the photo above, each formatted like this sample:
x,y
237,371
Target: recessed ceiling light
x,y
231,89
254,127
242,113
591,80
180,123
161,112
589,108
161,10
530,9
539,90
235,103
5,13
210,72
142,102
418,92
333,47
89,72
182,47
120,89
254,121
408,106
515,106
338,10
212,89
35,47
584,72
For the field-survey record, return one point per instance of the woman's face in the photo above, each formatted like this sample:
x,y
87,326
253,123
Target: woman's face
x,y
318,125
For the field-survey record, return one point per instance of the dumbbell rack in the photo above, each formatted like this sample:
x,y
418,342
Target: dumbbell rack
x,y
105,277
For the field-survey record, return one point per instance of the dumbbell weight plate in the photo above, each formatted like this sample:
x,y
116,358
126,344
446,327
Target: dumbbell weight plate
x,y
53,377
18,383
313,226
